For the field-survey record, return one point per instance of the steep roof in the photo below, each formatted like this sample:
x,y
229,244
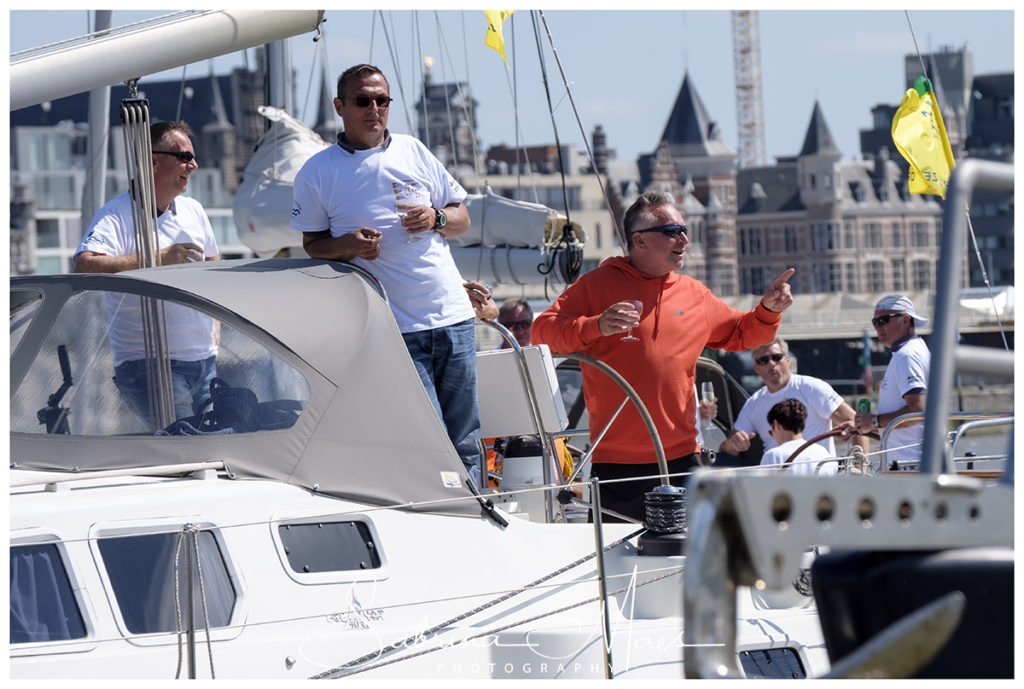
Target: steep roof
x,y
690,130
818,139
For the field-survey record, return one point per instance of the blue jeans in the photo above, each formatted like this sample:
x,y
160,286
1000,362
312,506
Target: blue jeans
x,y
190,382
445,358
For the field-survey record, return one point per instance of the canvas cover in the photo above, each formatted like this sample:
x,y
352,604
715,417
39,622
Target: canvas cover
x,y
368,431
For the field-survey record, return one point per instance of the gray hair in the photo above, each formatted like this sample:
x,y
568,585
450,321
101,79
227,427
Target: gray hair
x,y
639,210
777,341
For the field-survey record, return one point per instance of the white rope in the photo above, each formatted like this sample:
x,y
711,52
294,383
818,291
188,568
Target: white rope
x,y
142,196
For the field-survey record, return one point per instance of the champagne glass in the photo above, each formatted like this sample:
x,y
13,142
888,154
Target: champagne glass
x,y
639,306
707,393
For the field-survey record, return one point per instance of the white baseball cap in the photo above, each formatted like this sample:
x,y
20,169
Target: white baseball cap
x,y
898,302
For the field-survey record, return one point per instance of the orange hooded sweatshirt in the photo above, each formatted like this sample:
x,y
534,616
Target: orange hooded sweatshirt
x,y
680,317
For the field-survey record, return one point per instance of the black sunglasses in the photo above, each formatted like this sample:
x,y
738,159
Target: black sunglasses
x,y
364,101
667,230
184,156
517,324
884,320
762,360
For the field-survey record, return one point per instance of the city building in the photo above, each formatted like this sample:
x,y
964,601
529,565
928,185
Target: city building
x,y
50,152
978,114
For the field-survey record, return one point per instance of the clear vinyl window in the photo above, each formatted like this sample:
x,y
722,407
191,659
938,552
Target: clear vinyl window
x,y
114,363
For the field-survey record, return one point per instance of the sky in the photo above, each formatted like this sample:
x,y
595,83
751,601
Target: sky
x,y
624,68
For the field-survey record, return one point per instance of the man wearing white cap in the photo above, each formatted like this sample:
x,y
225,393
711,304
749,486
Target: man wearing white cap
x,y
905,384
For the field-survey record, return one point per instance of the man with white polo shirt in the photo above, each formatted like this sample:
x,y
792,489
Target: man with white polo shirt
x,y
382,201
184,235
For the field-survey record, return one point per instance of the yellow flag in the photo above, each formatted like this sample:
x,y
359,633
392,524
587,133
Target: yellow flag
x,y
920,137
494,38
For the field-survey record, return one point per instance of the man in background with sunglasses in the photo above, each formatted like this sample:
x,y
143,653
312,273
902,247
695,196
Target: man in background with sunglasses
x,y
384,202
905,384
517,316
823,405
184,235
679,318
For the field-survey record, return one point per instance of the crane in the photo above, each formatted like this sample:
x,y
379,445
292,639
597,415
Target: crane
x,y
746,51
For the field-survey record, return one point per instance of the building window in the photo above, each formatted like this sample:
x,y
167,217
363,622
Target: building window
x,y
919,234
851,277
47,233
829,278
697,233
922,275
826,237
849,236
897,235
751,243
899,275
873,235
876,276
752,281
723,282
790,239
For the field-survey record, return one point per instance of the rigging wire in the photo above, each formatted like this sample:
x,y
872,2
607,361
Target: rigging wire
x,y
397,68
970,225
513,91
447,100
567,252
417,65
590,155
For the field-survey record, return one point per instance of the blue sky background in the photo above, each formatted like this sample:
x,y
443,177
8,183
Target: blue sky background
x,y
625,67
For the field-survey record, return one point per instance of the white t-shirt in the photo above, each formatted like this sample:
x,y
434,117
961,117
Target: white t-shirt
x,y
815,394
344,190
189,332
805,463
907,370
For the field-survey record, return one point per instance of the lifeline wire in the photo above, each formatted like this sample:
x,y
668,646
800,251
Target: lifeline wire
x,y
346,669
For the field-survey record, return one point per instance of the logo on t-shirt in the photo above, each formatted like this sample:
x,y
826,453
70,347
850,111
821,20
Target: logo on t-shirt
x,y
296,210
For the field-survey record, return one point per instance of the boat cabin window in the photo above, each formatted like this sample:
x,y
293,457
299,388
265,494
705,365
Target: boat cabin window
x,y
114,363
142,570
43,605
329,546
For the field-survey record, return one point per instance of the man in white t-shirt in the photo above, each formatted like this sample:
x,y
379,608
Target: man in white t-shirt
x,y
823,404
905,385
184,236
383,202
786,421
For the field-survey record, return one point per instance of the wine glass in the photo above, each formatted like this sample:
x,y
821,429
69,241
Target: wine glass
x,y
639,306
707,394
403,210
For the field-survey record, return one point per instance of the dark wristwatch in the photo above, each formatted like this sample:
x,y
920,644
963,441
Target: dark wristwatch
x,y
442,219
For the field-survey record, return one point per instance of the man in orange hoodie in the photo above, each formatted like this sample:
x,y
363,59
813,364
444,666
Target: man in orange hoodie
x,y
678,319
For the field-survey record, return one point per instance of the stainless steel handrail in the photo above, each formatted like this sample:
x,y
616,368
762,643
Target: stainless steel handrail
x,y
973,425
917,417
935,458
